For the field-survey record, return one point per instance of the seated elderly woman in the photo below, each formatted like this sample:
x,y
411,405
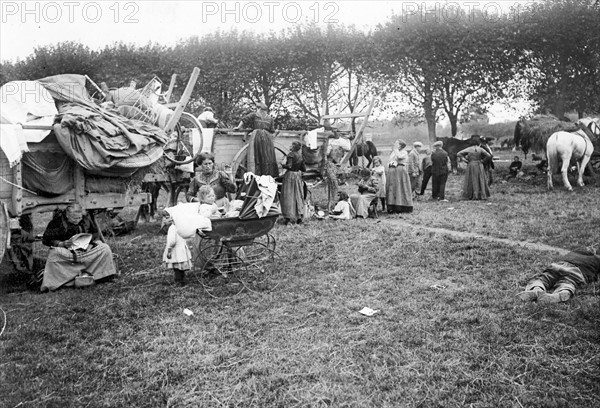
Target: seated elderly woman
x,y
68,258
207,174
367,192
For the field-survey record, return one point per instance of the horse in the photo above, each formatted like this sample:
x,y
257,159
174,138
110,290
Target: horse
x,y
507,143
532,135
452,146
366,149
593,124
561,147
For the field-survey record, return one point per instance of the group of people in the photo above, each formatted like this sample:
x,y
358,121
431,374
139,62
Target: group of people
x,y
395,188
409,174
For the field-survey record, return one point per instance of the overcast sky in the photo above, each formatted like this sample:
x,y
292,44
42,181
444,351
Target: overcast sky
x,y
26,25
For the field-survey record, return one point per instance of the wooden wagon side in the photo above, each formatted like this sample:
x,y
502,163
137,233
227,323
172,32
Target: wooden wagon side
x,y
230,149
16,200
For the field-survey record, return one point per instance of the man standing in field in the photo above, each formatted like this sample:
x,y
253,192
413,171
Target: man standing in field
x,y
576,268
414,168
440,167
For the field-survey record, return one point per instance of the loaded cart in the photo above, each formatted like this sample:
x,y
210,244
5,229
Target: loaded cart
x,y
60,146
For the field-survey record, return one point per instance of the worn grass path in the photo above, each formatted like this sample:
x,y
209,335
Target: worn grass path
x,y
474,236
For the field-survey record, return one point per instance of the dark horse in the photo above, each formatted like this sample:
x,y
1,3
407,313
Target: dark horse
x,y
366,149
452,146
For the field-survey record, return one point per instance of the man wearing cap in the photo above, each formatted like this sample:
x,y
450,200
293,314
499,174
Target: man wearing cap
x,y
440,167
261,157
207,118
414,168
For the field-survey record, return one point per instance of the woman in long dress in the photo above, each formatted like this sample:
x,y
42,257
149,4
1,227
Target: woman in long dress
x,y
476,183
261,149
399,193
292,189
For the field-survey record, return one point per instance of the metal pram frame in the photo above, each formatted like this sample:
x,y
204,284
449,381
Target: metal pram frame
x,y
234,254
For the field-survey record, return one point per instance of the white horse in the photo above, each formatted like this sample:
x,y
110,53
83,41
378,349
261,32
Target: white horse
x,y
593,124
562,146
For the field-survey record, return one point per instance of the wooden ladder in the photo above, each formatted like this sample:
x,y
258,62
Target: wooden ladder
x,y
359,135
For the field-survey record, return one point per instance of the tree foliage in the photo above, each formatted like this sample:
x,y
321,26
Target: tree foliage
x,y
562,42
446,64
452,67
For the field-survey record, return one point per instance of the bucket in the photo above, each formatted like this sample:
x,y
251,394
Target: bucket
x,y
83,281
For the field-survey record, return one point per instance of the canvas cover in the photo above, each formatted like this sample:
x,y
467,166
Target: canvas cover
x,y
102,141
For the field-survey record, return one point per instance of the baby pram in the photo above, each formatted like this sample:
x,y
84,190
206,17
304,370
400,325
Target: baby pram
x,y
233,255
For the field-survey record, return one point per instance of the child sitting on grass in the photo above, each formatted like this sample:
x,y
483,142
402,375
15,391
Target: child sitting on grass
x,y
341,210
207,207
177,255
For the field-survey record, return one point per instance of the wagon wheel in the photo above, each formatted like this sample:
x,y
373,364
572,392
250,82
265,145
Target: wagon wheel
x,y
239,160
214,266
179,149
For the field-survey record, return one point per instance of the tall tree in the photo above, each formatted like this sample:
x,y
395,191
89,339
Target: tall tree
x,y
326,71
445,63
562,40
65,57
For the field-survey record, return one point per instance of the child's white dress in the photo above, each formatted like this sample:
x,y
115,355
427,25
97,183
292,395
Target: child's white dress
x,y
181,257
379,173
342,206
209,211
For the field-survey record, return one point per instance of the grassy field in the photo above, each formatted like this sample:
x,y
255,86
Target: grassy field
x,y
449,331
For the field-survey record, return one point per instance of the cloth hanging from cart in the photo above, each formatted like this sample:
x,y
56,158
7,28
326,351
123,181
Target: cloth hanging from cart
x,y
260,197
23,102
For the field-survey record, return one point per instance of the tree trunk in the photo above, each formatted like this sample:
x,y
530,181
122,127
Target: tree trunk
x,y
453,123
559,103
430,111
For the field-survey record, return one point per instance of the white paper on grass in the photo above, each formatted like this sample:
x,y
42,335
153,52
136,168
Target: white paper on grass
x,y
367,311
187,312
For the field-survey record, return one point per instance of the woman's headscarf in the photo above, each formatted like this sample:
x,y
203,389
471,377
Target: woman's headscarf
x,y
399,144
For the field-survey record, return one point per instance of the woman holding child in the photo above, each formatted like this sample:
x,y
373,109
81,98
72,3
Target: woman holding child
x,y
207,174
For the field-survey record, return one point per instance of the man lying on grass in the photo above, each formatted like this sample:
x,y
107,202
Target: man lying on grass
x,y
558,282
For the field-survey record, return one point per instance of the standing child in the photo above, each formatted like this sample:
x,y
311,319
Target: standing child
x,y
177,255
379,173
207,207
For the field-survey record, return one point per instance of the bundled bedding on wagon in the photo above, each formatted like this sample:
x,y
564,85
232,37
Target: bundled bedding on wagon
x,y
102,141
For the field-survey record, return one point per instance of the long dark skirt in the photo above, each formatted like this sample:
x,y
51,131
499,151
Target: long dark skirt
x,y
262,150
292,196
476,183
399,193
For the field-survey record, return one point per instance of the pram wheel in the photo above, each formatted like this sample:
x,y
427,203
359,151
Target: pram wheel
x,y
214,267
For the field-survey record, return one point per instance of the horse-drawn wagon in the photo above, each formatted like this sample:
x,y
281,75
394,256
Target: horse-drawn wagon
x,y
231,147
60,146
